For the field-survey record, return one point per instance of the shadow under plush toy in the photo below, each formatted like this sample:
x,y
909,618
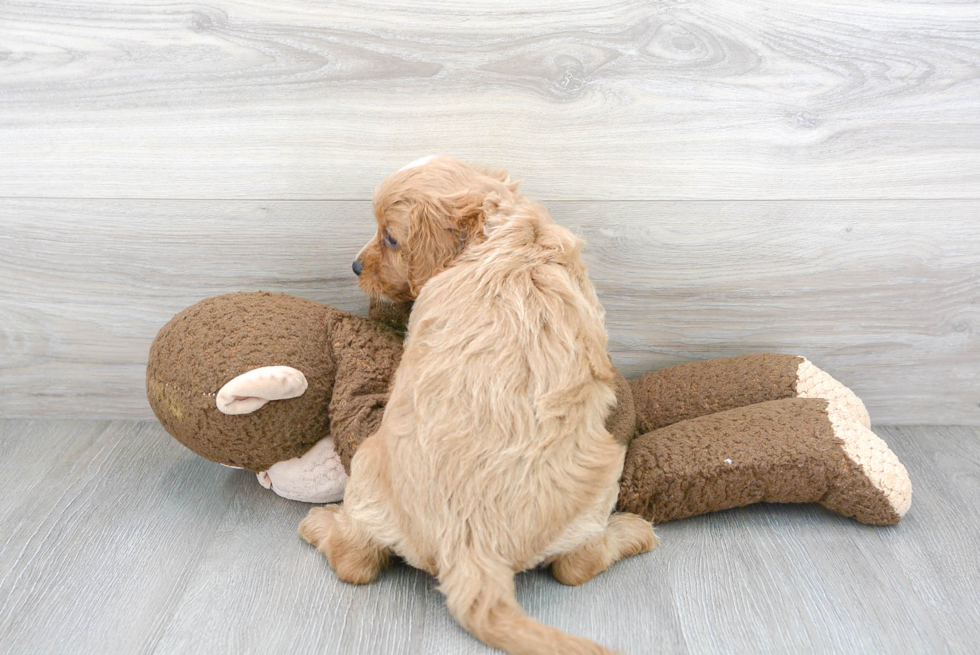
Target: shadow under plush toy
x,y
289,388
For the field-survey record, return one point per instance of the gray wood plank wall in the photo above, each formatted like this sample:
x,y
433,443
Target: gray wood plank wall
x,y
793,176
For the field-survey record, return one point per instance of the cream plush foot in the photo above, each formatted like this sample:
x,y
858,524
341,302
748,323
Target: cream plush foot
x,y
869,455
812,382
874,473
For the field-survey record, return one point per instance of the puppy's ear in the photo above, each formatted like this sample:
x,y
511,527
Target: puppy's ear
x,y
431,244
441,227
469,211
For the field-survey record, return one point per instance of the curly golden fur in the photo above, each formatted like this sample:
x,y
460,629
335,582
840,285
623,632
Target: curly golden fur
x,y
492,456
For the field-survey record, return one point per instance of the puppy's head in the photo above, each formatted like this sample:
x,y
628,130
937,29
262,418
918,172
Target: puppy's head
x,y
427,213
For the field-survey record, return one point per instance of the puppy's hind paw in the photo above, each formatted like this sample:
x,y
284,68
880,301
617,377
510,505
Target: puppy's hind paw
x,y
319,524
353,555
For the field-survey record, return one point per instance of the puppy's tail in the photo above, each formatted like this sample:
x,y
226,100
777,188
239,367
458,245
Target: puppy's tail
x,y
480,595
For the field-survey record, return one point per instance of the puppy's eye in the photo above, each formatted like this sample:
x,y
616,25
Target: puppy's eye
x,y
389,240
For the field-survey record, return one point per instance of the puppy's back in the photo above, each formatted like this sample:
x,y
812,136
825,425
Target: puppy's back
x,y
509,389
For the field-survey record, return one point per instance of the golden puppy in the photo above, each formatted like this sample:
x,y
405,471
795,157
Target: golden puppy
x,y
492,456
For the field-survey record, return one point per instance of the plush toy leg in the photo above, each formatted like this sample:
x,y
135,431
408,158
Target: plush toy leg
x,y
685,391
793,450
625,535
316,477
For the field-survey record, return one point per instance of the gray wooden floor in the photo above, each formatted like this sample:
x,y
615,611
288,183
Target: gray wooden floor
x,y
114,538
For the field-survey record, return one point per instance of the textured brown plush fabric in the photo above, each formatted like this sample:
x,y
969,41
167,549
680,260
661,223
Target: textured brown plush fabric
x,y
731,431
367,354
779,451
853,495
677,393
621,421
208,344
393,314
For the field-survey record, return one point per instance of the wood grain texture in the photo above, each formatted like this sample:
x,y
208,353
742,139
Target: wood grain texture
x,y
101,531
881,294
736,99
115,538
947,499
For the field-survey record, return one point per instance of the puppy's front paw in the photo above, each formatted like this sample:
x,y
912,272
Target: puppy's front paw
x,y
632,534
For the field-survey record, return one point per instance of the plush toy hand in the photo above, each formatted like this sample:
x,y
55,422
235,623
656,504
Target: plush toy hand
x,y
316,477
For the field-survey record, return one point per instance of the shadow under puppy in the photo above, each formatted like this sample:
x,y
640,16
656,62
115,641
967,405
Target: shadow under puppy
x,y
492,456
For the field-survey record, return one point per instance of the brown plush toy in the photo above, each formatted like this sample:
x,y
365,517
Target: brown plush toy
x,y
289,388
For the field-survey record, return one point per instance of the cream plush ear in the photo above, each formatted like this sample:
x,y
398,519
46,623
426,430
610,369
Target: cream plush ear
x,y
249,391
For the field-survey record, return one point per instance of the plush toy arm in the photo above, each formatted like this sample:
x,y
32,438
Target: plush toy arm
x,y
793,450
393,314
367,354
686,391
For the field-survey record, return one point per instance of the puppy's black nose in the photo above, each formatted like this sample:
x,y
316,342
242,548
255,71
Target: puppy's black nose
x,y
358,267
